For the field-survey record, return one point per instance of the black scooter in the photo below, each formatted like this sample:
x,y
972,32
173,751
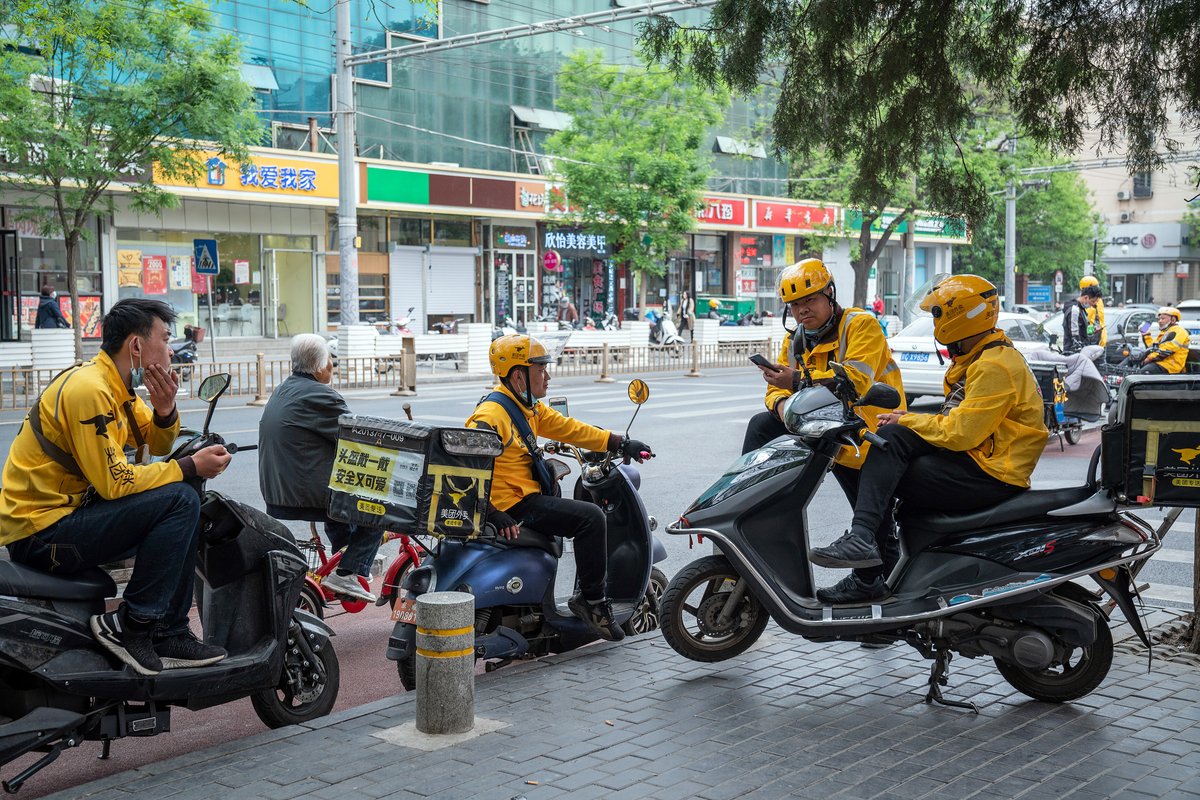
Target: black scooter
x,y
59,688
995,582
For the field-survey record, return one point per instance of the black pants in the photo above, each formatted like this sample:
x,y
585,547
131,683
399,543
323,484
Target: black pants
x,y
584,522
1153,368
762,428
924,477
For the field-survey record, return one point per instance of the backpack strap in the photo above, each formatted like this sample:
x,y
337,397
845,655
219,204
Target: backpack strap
x,y
53,451
541,470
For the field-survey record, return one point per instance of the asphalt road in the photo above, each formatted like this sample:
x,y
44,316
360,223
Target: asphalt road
x,y
695,425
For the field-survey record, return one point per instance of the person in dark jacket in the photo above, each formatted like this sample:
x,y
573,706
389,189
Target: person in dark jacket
x,y
49,315
297,442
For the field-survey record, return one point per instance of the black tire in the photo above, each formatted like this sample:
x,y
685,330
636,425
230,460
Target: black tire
x,y
646,617
909,399
1072,434
712,577
283,706
407,669
1084,670
310,600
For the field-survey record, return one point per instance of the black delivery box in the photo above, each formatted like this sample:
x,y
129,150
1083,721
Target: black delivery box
x,y
1150,448
410,477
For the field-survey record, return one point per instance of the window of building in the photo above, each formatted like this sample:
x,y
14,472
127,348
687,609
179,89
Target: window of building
x,y
452,232
1142,187
409,231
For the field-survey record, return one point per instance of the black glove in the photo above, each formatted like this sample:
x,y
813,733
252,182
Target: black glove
x,y
500,520
632,448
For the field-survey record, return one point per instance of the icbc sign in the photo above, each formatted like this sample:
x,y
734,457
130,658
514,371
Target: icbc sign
x,y
791,216
724,211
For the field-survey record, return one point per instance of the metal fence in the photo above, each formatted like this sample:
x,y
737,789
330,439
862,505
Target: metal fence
x,y
20,386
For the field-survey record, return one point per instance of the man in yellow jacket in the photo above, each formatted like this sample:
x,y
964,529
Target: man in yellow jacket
x,y
71,499
825,332
1168,352
982,447
523,491
1090,285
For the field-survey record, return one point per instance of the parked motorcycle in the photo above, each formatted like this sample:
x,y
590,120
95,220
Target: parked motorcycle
x,y
59,688
663,333
516,612
996,582
184,353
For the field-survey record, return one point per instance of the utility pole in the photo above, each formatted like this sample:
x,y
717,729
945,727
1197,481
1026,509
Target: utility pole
x,y
347,196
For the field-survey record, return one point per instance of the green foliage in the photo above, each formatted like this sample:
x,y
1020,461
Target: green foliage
x,y
885,86
632,160
95,93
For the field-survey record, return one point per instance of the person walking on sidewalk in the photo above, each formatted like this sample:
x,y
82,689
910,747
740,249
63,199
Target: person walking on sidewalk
x,y
982,447
297,442
49,315
71,500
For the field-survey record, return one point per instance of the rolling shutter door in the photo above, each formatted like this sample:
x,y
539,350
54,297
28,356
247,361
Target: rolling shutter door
x,y
450,281
404,285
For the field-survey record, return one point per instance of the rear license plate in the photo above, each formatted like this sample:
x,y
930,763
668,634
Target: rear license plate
x,y
922,357
405,611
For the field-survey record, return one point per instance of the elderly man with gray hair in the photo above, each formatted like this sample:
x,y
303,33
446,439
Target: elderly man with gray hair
x,y
297,438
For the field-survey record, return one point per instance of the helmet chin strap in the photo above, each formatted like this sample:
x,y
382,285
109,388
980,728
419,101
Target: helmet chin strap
x,y
525,398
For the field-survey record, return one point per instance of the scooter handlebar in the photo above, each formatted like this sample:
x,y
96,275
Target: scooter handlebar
x,y
875,439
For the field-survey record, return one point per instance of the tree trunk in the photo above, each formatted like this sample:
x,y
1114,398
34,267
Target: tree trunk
x,y
72,243
641,291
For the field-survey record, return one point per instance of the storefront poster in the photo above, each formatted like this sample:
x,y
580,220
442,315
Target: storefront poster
x,y
129,268
90,313
199,282
180,272
154,274
241,271
29,307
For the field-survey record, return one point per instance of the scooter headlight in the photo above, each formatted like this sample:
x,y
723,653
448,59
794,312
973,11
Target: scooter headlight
x,y
816,427
814,404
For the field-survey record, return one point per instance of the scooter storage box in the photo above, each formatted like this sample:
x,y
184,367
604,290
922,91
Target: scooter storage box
x,y
1046,373
411,477
1150,448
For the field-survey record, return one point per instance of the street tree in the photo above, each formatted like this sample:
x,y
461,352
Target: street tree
x,y
886,85
97,97
631,161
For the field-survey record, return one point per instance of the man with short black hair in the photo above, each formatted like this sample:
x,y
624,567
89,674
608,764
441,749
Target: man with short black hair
x,y
72,500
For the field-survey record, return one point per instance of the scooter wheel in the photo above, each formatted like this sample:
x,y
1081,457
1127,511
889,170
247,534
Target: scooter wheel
x,y
407,669
1081,671
646,616
1072,434
303,700
691,612
311,601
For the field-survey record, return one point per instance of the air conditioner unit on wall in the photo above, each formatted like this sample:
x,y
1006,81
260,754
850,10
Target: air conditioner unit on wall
x,y
1124,194
1126,216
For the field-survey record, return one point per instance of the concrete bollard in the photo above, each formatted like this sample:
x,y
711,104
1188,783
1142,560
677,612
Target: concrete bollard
x,y
445,662
604,377
260,372
695,373
407,385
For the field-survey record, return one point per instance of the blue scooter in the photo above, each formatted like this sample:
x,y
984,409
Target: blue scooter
x,y
516,612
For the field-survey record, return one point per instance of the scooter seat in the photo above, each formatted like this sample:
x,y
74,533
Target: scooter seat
x,y
528,537
1026,505
21,581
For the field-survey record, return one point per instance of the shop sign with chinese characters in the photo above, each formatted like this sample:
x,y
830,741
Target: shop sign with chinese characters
x,y
792,216
727,212
570,240
263,175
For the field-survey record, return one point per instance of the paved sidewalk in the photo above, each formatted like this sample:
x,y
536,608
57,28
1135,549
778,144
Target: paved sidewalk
x,y
789,718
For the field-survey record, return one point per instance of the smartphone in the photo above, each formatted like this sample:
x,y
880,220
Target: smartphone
x,y
760,361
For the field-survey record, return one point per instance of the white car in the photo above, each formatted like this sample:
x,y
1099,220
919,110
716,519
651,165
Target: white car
x,y
1035,313
913,350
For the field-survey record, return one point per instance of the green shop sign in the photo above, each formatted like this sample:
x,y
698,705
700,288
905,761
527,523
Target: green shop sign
x,y
928,225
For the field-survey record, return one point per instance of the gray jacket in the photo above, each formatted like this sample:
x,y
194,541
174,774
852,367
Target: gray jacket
x,y
297,438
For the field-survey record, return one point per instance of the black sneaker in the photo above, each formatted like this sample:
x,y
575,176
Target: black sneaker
x,y
598,616
133,645
184,650
853,589
851,551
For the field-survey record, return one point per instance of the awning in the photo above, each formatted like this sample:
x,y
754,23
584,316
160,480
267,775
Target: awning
x,y
736,147
260,77
541,119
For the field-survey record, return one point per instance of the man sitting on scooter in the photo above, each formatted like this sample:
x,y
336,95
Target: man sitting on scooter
x,y
72,500
1169,352
523,491
982,447
852,337
297,442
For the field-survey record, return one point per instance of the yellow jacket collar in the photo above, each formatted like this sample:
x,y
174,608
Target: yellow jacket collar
x,y
529,412
958,368
111,374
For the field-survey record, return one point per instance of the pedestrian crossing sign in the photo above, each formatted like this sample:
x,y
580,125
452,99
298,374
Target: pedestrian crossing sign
x,y
205,252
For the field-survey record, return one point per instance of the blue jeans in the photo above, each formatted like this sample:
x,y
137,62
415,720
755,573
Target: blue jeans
x,y
361,544
158,527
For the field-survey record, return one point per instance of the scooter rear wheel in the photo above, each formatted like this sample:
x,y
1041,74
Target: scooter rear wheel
x,y
1072,434
287,705
646,617
1083,670
691,608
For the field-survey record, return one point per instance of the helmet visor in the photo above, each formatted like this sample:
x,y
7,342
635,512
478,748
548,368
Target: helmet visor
x,y
554,342
913,304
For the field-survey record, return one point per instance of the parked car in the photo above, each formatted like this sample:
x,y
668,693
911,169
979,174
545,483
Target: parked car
x,y
1036,313
913,349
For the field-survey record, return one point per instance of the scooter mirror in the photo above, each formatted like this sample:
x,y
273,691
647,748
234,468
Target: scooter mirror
x,y
213,387
881,395
639,392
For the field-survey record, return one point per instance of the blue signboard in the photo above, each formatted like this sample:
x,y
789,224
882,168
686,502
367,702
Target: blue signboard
x,y
205,252
1037,293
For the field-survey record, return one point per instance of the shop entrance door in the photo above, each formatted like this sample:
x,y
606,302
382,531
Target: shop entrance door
x,y
10,289
290,305
524,288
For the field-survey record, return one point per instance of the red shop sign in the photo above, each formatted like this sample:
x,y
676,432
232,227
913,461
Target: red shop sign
x,y
791,216
725,211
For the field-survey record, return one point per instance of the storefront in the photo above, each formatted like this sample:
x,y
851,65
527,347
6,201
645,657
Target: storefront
x,y
578,265
511,285
1150,263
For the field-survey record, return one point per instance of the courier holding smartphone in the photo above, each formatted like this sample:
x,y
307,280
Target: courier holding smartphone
x,y
761,361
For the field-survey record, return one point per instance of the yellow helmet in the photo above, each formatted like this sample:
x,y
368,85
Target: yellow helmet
x,y
516,350
962,306
1088,280
802,279
712,303
1170,311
